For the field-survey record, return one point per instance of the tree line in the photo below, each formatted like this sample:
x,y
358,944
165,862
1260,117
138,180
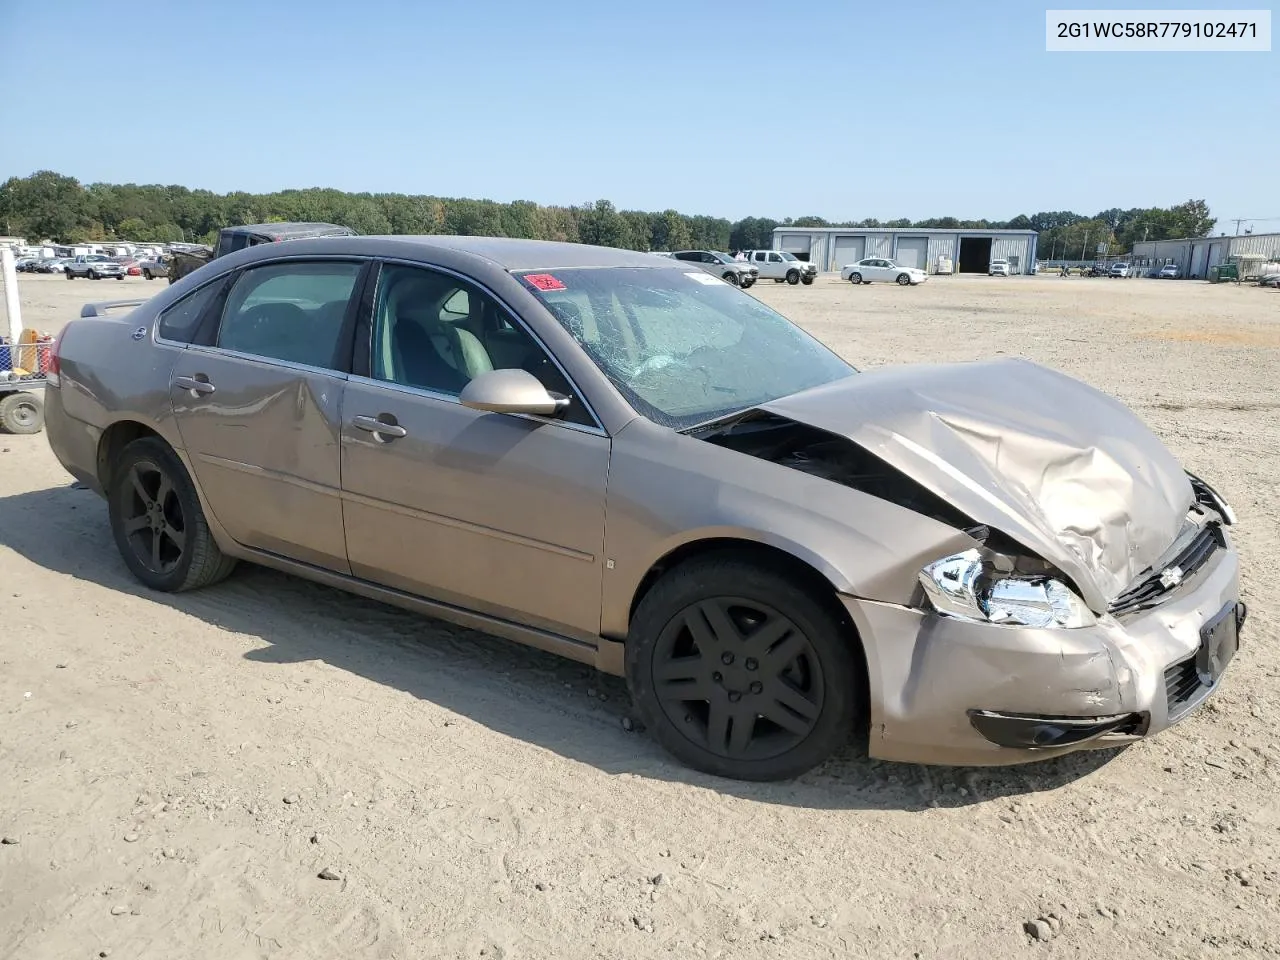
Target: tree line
x,y
51,206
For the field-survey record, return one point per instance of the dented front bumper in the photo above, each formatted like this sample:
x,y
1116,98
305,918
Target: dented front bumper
x,y
951,691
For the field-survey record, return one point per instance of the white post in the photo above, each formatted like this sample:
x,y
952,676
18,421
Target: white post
x,y
11,305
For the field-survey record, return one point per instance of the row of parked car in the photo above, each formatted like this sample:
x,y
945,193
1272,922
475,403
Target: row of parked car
x,y
748,266
95,266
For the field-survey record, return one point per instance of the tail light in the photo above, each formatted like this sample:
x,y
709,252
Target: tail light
x,y
55,366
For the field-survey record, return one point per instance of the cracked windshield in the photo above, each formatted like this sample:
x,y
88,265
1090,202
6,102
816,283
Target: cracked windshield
x,y
684,347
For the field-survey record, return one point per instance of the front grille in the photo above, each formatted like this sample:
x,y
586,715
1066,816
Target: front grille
x,y
1150,590
1181,683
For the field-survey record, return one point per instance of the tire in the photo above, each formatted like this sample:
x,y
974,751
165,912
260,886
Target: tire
x,y
823,687
68,275
22,413
93,275
120,276
855,278
150,486
747,284
731,277
793,277
146,274
903,280
807,280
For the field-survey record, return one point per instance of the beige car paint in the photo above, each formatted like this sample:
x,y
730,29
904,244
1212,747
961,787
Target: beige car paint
x,y
495,521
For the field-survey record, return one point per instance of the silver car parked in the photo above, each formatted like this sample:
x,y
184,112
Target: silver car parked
x,y
608,456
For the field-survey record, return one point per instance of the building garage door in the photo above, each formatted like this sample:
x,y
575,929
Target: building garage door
x,y
1199,253
797,243
912,252
848,250
1217,253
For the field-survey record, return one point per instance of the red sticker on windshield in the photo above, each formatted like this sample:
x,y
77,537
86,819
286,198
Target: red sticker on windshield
x,y
543,281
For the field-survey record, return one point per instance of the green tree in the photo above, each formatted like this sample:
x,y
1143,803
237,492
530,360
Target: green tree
x,y
45,205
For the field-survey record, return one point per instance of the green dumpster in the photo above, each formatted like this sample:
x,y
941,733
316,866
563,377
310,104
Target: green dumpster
x,y
1228,271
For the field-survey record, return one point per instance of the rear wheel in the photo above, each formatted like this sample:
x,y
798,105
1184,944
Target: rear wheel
x,y
68,274
147,275
22,413
157,521
743,673
793,277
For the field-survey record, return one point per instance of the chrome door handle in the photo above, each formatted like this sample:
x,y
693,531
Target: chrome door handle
x,y
380,427
198,384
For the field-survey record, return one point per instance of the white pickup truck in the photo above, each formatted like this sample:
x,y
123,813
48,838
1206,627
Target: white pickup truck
x,y
778,265
95,266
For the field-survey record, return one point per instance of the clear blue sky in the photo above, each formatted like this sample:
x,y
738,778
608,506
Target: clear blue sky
x,y
840,108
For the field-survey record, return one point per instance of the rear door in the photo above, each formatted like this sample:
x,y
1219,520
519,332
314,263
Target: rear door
x,y
257,402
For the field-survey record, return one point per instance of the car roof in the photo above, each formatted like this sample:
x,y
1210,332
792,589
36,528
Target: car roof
x,y
290,230
508,252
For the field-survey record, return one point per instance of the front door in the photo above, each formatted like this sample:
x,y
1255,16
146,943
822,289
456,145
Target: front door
x,y
258,408
491,512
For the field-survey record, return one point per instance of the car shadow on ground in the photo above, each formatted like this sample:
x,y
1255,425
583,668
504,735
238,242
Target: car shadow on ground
x,y
523,693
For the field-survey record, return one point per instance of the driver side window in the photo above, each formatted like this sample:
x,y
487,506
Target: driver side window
x,y
437,332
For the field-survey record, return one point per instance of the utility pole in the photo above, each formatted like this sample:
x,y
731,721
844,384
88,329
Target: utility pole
x,y
1238,222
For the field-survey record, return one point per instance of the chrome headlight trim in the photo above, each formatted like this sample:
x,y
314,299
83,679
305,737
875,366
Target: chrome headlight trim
x,y
968,586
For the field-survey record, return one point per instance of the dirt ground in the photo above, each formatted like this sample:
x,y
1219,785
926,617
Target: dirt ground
x,y
175,771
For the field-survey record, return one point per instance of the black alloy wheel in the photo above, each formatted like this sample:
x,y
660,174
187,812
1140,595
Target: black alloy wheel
x,y
158,523
152,518
743,673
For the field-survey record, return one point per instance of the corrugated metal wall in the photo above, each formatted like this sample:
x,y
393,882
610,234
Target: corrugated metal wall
x,y
880,243
1011,249
1257,245
942,245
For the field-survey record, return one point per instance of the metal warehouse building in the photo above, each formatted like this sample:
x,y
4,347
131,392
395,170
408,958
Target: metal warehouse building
x,y
936,251
1194,256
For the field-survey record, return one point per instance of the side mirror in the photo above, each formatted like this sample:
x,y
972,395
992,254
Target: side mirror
x,y
511,391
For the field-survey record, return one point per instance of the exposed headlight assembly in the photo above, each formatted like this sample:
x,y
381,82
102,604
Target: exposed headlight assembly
x,y
970,586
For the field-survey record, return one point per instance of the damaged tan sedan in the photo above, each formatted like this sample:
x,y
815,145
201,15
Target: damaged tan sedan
x,y
618,459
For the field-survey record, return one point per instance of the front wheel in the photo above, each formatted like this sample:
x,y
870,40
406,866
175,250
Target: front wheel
x,y
903,279
119,276
793,277
22,413
747,283
744,673
807,279
731,277
93,275
855,278
158,524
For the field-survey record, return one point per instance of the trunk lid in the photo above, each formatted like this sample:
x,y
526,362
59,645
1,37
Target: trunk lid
x,y
1067,471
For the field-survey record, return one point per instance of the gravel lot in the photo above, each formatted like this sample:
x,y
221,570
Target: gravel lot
x,y
175,772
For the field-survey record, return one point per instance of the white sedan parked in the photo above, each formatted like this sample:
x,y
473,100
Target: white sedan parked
x,y
877,268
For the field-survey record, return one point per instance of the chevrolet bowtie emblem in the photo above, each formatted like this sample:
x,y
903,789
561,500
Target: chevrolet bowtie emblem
x,y
1171,578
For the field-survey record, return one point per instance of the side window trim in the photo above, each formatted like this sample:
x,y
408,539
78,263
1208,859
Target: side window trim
x,y
212,308
362,366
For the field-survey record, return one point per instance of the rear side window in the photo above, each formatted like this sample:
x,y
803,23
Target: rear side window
x,y
292,311
181,320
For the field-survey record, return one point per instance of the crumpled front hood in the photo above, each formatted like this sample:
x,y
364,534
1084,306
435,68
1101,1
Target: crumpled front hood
x,y
1067,471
